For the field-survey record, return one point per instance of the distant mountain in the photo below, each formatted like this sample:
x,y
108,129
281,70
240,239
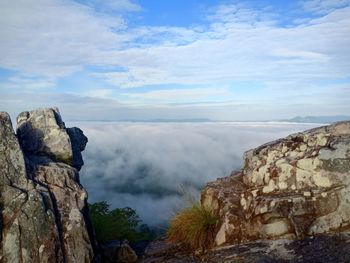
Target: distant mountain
x,y
319,119
147,120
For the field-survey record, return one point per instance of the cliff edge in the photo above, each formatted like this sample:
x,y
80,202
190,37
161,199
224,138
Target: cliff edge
x,y
44,216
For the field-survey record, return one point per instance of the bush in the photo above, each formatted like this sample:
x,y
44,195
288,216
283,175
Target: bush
x,y
193,228
117,224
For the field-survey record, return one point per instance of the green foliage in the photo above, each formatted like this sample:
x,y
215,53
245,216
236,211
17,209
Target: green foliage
x,y
117,224
194,227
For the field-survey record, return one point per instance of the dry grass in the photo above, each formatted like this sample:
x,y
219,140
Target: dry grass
x,y
193,228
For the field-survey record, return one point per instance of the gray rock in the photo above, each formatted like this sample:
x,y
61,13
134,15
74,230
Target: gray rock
x,y
29,231
291,188
320,249
42,132
43,205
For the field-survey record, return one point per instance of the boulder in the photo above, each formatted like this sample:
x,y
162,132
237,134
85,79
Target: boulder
x,y
42,132
118,252
43,206
126,254
291,188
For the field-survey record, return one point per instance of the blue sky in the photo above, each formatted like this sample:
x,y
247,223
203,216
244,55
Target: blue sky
x,y
149,59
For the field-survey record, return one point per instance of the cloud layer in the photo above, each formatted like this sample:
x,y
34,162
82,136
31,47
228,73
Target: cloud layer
x,y
148,165
238,42
237,61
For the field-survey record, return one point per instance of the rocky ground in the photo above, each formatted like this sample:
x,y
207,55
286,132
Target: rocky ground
x,y
321,249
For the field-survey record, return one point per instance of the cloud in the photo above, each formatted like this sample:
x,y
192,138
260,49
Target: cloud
x,y
323,99
53,38
147,166
323,6
113,5
99,93
181,95
238,43
28,82
235,50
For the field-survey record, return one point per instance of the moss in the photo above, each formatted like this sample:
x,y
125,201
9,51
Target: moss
x,y
64,158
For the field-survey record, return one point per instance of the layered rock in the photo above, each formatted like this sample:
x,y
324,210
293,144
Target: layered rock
x,y
43,206
290,188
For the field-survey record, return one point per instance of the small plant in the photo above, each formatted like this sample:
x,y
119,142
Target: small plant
x,y
193,228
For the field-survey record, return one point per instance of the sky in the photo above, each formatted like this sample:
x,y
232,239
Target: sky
x,y
176,59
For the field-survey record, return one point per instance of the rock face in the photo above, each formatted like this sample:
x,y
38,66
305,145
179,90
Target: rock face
x,y
43,206
291,188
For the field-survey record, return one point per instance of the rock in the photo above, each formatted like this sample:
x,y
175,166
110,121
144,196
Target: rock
x,y
126,254
320,249
43,205
79,141
42,132
291,188
28,228
109,251
118,252
160,251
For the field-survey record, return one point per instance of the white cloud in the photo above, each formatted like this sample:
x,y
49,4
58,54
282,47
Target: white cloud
x,y
146,166
323,6
181,95
53,38
243,51
268,104
99,93
28,82
114,5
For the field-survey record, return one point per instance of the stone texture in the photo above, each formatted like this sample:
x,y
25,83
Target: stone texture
x,y
291,188
126,254
42,132
43,205
118,251
320,249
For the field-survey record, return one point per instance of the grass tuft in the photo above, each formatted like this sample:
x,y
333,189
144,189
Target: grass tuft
x,y
193,228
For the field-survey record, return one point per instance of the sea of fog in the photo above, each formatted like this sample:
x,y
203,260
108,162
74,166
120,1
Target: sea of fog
x,y
148,166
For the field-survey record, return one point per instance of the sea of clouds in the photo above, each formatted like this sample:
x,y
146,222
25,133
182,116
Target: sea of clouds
x,y
148,166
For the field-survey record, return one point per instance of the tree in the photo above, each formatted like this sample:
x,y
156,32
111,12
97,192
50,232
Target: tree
x,y
116,224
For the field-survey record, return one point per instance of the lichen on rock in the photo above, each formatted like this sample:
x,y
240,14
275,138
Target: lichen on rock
x,y
290,188
40,190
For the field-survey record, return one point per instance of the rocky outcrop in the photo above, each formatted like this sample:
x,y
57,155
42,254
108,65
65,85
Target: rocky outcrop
x,y
291,188
43,206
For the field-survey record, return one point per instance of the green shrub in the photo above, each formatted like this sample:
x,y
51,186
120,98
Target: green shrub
x,y
117,224
193,228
